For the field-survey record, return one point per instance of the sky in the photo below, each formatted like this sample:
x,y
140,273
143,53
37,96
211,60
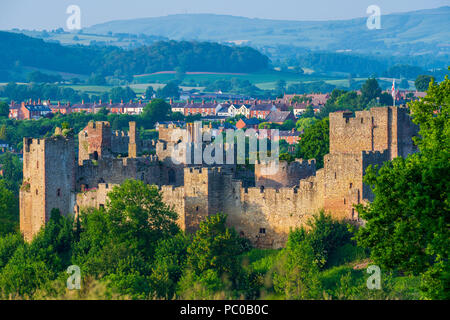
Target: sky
x,y
51,14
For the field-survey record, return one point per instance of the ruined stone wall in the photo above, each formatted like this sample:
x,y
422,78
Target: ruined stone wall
x,y
174,198
376,129
91,173
48,181
133,145
97,141
266,216
283,174
93,198
119,143
165,132
343,183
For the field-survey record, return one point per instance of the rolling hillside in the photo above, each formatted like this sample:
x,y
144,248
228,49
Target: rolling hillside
x,y
400,34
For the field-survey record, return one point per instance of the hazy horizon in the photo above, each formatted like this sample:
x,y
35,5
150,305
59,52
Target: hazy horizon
x,y
51,14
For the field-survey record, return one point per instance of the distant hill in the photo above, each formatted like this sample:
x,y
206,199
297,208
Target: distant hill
x,y
19,51
410,33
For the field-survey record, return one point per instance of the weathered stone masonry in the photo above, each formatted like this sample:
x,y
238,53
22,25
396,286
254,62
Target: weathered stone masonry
x,y
264,214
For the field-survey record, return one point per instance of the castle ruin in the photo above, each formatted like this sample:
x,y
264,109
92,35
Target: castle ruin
x,y
261,207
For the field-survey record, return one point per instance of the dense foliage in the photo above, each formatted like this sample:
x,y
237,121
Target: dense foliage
x,y
407,223
315,142
160,56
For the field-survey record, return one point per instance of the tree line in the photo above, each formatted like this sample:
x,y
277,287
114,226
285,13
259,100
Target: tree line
x,y
160,56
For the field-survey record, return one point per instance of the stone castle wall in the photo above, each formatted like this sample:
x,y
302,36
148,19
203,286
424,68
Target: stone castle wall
x,y
283,174
45,159
377,129
264,214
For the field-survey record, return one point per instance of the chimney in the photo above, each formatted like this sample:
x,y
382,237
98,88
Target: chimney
x,y
82,101
59,103
39,101
203,102
110,101
171,101
100,101
215,102
121,101
48,102
139,101
131,101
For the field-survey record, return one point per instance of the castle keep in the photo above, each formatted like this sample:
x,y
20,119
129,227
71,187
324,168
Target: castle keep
x,y
262,207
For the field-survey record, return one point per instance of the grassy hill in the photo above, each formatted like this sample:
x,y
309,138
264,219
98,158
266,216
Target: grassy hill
x,y
418,32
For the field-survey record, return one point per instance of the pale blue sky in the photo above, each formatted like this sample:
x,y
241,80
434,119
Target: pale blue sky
x,y
51,14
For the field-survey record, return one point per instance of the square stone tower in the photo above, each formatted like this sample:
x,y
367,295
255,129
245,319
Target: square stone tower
x,y
48,181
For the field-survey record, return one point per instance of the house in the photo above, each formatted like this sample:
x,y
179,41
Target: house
x,y
291,137
262,110
177,106
242,109
203,108
319,99
83,107
280,117
133,107
225,110
299,108
60,108
250,123
30,110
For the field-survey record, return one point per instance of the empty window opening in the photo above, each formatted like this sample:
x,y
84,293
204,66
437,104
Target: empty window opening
x,y
58,192
262,230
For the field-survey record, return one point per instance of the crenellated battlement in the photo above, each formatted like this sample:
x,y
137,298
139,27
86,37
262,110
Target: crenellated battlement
x,y
278,174
280,200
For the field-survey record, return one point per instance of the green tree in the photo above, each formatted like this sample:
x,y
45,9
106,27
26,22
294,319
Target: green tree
x,y
170,90
12,171
304,123
370,90
9,210
156,110
296,274
33,266
169,264
4,109
422,82
137,212
213,263
407,223
315,142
